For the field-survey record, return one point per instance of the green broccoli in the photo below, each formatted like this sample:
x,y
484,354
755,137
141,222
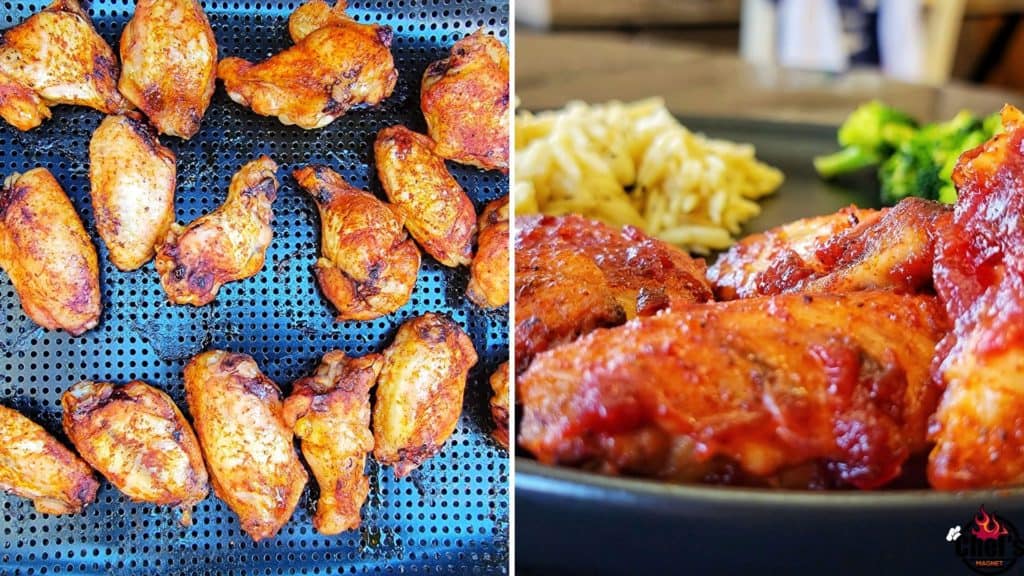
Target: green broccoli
x,y
867,137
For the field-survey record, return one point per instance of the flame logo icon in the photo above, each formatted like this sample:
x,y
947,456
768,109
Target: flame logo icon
x,y
988,527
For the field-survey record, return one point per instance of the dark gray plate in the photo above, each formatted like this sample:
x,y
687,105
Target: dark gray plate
x,y
573,522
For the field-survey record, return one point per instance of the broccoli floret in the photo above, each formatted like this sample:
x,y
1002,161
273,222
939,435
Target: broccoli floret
x,y
867,136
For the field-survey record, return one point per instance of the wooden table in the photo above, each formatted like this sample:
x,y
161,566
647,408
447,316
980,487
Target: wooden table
x,y
554,68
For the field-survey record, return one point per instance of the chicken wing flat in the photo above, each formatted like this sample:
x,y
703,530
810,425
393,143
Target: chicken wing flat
x,y
225,245
330,412
330,69
853,249
574,275
499,404
138,439
132,179
169,60
979,274
247,445
36,466
464,99
769,384
437,211
419,393
488,281
47,254
56,57
369,265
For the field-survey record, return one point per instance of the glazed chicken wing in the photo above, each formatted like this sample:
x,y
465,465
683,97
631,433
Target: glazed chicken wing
x,y
47,254
247,445
499,404
138,439
465,101
227,244
56,57
853,249
437,211
132,178
979,274
765,384
36,466
169,60
369,265
330,412
419,393
336,64
488,282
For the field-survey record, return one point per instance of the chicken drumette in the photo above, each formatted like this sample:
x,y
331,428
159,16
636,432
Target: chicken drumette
x,y
488,282
499,404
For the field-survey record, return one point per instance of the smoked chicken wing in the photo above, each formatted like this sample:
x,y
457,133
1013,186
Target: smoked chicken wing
x,y
169,64
56,57
132,178
47,254
335,64
499,404
36,466
437,211
853,249
419,393
766,384
488,281
369,265
227,244
464,99
138,439
330,412
245,440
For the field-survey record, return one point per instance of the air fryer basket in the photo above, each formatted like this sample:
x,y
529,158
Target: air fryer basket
x,y
448,517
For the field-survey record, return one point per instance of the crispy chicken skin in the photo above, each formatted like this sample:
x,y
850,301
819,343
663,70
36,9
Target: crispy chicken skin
x,y
437,211
979,274
369,265
488,282
36,466
574,275
330,412
56,57
768,383
47,254
169,64
419,393
245,440
225,245
138,439
336,64
853,249
132,178
499,404
464,99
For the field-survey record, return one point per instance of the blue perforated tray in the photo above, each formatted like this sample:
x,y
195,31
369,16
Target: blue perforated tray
x,y
449,517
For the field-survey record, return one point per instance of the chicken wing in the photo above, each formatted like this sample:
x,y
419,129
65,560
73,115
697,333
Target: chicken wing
x,y
419,393
769,384
499,404
331,68
369,265
247,445
853,249
132,179
330,412
574,275
464,99
47,254
437,211
169,59
225,245
979,274
56,57
36,466
138,439
488,282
